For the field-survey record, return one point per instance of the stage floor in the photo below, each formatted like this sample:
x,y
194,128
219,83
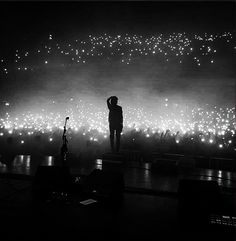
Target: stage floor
x,y
137,174
149,209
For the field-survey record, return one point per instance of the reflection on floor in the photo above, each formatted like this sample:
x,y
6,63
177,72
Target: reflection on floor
x,y
136,174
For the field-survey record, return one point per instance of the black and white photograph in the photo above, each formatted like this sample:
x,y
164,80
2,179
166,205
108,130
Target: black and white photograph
x,y
117,120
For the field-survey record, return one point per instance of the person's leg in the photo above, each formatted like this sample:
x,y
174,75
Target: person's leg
x,y
112,132
118,132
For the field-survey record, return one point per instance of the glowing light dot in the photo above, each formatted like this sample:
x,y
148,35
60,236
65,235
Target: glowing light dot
x,y
22,142
220,146
46,62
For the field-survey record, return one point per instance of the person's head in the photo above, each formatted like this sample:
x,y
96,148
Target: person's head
x,y
114,100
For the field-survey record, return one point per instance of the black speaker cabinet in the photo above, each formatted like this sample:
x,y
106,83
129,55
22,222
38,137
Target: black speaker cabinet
x,y
197,200
102,183
51,180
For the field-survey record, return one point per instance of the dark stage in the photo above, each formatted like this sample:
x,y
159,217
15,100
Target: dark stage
x,y
151,206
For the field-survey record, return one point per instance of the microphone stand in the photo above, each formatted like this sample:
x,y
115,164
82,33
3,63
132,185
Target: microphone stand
x,y
64,148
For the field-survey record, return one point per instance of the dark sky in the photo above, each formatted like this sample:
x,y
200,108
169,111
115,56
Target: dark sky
x,y
36,18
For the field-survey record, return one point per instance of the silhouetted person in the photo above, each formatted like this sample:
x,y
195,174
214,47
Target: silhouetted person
x,y
115,121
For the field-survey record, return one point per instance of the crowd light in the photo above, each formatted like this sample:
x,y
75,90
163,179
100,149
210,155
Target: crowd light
x,y
199,49
90,118
128,48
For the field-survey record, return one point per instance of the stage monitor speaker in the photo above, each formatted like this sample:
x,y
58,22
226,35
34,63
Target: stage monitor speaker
x,y
51,180
198,199
106,184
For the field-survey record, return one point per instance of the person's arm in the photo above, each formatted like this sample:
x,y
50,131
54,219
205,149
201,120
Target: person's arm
x,y
108,103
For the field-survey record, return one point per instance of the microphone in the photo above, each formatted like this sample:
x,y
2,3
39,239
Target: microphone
x,y
67,118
